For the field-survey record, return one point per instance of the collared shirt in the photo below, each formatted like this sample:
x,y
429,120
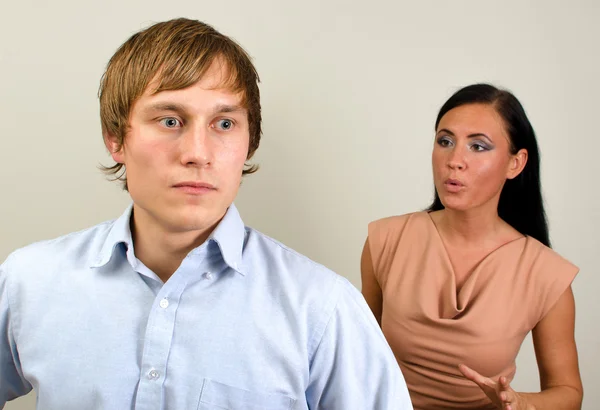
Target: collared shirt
x,y
243,323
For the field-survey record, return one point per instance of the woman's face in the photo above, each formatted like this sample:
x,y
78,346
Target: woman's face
x,y
472,159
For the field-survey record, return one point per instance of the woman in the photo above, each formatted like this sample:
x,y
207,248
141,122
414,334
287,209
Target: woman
x,y
457,288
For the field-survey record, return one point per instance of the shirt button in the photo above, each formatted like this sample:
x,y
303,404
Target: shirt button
x,y
164,303
153,374
208,275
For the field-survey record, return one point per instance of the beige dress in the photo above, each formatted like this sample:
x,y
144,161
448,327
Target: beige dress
x,y
432,329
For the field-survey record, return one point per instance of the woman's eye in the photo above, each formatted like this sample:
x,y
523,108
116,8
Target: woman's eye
x,y
478,147
170,122
444,142
225,124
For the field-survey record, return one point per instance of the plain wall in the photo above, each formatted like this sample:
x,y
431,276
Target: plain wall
x,y
350,91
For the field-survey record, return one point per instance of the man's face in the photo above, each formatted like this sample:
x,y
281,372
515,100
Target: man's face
x,y
184,154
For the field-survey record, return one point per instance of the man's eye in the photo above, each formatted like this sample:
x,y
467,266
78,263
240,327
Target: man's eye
x,y
170,122
225,124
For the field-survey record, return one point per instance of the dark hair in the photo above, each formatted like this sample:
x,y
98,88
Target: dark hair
x,y
521,204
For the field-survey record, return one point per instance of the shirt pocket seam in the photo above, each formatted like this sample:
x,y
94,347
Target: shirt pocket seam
x,y
222,396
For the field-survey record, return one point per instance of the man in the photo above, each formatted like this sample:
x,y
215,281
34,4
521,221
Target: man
x,y
176,304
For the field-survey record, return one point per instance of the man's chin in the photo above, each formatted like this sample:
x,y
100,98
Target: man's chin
x,y
198,220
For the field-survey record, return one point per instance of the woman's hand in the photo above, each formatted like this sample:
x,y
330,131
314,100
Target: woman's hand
x,y
500,392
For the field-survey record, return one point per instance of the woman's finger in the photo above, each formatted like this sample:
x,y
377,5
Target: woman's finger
x,y
504,383
475,377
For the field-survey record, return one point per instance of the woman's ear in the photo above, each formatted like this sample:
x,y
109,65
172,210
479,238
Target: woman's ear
x,y
517,163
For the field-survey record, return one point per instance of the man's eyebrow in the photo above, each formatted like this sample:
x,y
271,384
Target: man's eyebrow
x,y
228,108
179,108
166,106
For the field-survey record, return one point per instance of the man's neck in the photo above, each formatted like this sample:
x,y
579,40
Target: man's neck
x,y
159,249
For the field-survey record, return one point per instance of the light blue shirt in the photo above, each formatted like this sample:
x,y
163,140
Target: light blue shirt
x,y
244,323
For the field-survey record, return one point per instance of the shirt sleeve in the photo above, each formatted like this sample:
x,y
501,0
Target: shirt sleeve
x,y
385,237
553,274
12,382
353,366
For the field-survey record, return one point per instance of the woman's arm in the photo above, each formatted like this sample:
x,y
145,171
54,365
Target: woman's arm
x,y
370,287
556,352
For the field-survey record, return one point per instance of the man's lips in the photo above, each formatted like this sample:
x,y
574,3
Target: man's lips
x,y
194,187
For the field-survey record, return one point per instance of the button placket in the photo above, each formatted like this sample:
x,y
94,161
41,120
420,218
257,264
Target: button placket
x,y
158,343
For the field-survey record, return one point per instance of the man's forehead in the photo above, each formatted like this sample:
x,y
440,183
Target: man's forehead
x,y
221,93
216,74
180,85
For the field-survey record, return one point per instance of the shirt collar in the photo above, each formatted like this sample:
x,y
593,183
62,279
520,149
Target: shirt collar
x,y
120,232
229,235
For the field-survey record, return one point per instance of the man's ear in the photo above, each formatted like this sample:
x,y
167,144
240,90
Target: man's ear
x,y
114,147
517,163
